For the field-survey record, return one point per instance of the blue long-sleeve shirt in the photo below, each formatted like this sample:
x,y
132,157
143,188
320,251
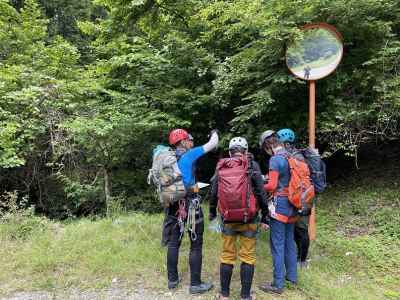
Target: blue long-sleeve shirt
x,y
186,164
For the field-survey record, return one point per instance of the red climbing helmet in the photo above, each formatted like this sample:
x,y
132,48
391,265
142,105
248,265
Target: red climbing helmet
x,y
178,135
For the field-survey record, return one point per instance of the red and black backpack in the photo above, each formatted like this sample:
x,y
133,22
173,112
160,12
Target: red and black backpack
x,y
236,201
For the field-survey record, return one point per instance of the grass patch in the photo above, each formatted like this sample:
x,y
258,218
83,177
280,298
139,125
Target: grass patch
x,y
356,254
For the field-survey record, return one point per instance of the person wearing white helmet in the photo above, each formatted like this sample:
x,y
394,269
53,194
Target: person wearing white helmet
x,y
239,214
238,142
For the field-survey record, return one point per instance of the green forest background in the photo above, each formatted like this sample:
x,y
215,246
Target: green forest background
x,y
89,87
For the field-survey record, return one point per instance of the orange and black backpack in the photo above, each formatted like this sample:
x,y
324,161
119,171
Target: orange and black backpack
x,y
300,191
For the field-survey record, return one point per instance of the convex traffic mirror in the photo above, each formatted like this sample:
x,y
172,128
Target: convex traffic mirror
x,y
316,54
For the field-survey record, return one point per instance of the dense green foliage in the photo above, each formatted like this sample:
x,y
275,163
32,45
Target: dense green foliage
x,y
88,87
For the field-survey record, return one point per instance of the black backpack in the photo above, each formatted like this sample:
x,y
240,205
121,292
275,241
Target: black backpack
x,y
317,169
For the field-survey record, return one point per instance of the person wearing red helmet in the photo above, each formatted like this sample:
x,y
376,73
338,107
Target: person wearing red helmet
x,y
187,210
178,135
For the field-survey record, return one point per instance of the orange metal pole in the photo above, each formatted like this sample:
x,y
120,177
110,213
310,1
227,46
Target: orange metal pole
x,y
311,122
312,226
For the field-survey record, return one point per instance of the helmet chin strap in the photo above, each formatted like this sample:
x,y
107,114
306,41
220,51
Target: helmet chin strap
x,y
276,149
181,148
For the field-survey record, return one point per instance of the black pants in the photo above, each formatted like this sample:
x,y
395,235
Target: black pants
x,y
302,241
196,248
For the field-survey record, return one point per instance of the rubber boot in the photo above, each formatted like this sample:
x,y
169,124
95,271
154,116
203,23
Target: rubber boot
x,y
225,272
246,278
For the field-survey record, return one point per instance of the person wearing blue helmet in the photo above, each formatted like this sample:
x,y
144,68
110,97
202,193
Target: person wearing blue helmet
x,y
288,137
283,215
301,237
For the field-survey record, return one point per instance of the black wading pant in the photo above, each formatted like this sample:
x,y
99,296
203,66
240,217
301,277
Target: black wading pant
x,y
172,238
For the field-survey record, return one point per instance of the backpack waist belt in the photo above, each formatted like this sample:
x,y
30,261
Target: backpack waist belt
x,y
231,232
193,189
285,219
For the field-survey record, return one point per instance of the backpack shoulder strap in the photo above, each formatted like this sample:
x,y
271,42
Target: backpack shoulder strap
x,y
178,154
251,162
221,163
285,155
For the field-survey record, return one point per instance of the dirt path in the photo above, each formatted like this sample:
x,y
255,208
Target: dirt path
x,y
112,293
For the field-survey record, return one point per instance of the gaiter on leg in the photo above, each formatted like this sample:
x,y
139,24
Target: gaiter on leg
x,y
225,273
246,278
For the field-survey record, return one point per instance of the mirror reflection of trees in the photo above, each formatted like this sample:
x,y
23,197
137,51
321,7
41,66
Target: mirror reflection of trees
x,y
317,48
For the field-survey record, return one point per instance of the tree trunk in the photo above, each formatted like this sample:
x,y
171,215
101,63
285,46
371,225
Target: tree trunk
x,y
107,185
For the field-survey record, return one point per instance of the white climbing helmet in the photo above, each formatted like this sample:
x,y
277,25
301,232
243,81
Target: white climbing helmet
x,y
266,134
238,142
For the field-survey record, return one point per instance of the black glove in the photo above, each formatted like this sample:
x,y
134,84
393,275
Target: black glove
x,y
306,211
265,219
212,213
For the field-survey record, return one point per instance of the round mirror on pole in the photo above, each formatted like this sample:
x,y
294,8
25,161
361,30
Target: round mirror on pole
x,y
316,54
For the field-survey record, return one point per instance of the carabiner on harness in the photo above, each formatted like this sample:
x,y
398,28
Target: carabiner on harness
x,y
194,206
181,216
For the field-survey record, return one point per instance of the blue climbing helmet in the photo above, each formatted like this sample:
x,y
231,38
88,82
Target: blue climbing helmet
x,y
286,135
